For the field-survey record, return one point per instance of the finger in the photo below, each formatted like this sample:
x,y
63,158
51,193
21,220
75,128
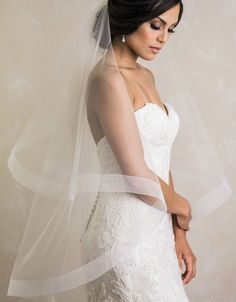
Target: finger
x,y
182,223
189,270
193,272
194,268
179,257
180,260
185,228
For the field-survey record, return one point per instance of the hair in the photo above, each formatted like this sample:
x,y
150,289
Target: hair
x,y
125,16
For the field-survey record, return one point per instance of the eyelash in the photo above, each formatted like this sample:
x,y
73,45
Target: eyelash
x,y
158,28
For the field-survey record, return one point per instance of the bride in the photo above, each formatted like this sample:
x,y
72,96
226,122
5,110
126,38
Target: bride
x,y
154,270
106,222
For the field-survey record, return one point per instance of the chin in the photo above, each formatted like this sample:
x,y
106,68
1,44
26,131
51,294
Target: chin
x,y
148,57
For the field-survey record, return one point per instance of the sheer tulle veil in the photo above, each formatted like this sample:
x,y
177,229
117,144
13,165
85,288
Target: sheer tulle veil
x,y
56,158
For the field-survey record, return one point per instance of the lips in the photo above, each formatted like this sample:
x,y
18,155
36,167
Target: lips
x,y
155,49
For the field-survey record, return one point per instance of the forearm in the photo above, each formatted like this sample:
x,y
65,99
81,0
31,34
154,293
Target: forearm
x,y
177,230
168,194
174,204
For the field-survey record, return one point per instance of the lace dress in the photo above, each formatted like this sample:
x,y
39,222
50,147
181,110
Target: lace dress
x,y
151,272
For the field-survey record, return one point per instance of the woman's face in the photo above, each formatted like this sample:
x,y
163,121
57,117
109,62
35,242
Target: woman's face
x,y
152,35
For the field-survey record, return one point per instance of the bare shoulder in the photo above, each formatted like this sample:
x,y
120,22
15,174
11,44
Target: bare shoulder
x,y
102,82
103,76
104,86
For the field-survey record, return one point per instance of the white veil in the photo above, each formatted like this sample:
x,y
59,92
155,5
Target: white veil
x,y
56,158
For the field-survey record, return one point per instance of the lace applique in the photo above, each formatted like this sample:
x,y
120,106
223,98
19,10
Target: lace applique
x,y
150,272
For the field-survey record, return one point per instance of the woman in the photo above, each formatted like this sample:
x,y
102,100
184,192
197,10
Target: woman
x,y
134,242
139,29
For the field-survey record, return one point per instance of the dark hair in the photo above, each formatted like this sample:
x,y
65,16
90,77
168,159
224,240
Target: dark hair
x,y
126,16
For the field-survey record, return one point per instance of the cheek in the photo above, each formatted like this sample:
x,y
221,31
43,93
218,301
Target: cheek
x,y
141,40
147,34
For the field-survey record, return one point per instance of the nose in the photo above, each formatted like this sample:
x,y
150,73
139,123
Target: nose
x,y
163,36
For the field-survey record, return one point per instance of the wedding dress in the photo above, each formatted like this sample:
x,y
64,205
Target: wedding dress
x,y
150,273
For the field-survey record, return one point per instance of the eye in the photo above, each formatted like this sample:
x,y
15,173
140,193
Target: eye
x,y
171,31
155,27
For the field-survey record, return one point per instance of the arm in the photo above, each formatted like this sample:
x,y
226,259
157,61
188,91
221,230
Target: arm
x,y
176,223
111,104
180,233
183,250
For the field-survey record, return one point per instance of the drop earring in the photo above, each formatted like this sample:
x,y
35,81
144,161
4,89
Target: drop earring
x,y
123,38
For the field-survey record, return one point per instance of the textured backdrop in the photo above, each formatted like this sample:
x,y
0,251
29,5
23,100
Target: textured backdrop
x,y
204,46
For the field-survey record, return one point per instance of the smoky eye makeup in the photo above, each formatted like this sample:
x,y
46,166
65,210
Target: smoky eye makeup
x,y
171,30
155,26
158,27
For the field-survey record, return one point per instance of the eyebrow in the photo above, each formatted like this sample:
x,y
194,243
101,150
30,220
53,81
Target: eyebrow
x,y
165,21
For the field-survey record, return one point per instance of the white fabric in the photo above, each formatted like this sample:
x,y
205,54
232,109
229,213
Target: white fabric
x,y
150,273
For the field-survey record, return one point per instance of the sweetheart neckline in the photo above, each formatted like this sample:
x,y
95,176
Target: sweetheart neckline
x,y
165,104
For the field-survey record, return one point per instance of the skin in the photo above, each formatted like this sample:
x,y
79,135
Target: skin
x,y
140,81
183,250
141,88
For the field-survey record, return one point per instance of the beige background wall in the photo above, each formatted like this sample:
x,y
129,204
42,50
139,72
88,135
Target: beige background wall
x,y
204,46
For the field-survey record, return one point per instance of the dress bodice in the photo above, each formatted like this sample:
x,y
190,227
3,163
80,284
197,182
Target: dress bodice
x,y
157,131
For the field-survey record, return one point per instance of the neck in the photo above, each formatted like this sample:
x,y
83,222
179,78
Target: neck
x,y
125,56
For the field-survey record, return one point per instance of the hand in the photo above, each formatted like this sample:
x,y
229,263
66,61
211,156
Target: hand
x,y
184,253
183,221
184,218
